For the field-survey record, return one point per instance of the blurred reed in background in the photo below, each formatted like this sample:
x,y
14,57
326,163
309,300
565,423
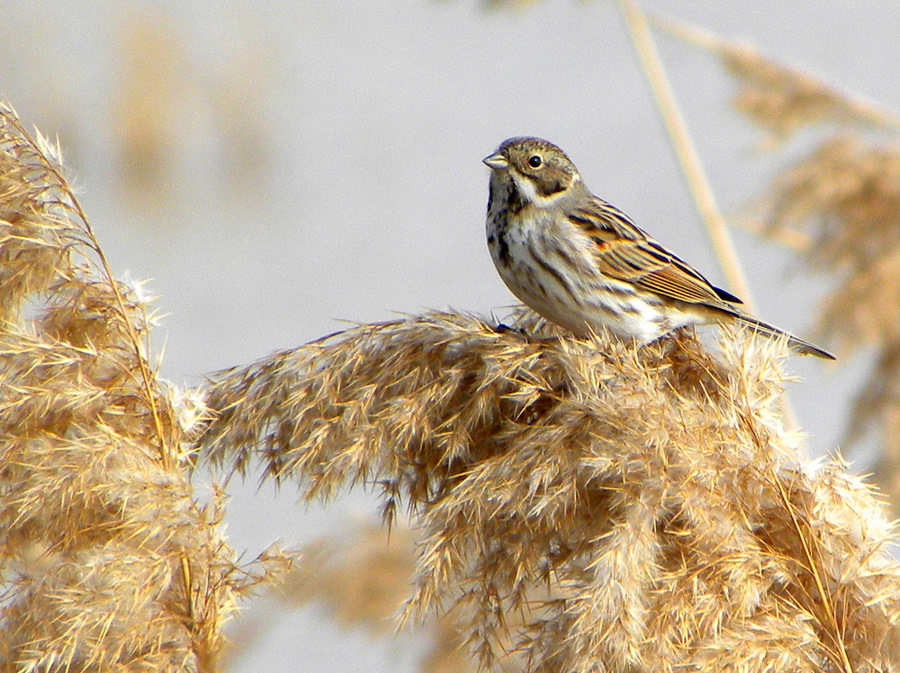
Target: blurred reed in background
x,y
839,208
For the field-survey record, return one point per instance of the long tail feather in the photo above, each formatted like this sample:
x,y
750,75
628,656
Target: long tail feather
x,y
796,344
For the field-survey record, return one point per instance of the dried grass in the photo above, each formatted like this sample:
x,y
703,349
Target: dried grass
x,y
584,506
578,505
779,98
108,561
162,90
783,99
840,206
844,199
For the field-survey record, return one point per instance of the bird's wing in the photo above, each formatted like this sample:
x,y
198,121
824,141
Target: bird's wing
x,y
625,252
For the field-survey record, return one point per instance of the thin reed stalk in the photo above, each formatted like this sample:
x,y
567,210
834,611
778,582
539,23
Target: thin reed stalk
x,y
779,97
690,162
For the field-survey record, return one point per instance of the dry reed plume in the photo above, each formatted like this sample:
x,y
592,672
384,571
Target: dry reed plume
x,y
840,206
108,561
580,505
780,98
844,200
162,89
590,509
783,99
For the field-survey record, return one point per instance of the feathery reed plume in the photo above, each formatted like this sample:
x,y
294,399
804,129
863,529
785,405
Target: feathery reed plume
x,y
840,205
362,575
587,506
779,98
108,562
844,199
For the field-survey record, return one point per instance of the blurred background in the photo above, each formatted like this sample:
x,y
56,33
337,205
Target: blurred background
x,y
275,169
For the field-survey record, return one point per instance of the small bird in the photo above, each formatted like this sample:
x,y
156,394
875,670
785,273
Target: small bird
x,y
583,264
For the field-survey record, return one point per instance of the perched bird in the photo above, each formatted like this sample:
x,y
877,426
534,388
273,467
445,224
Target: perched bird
x,y
583,264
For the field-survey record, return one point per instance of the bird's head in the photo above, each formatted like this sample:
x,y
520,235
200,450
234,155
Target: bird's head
x,y
539,170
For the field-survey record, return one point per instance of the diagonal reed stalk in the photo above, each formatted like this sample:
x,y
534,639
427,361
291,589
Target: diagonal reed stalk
x,y
834,101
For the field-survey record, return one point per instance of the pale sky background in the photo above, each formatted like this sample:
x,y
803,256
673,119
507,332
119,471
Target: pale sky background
x,y
359,191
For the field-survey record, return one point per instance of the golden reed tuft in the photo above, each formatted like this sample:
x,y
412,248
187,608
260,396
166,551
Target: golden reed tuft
x,y
841,202
844,198
587,506
782,99
840,205
108,561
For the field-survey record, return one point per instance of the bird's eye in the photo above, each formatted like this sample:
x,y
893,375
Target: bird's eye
x,y
535,161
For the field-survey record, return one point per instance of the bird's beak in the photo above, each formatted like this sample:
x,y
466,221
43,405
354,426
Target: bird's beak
x,y
496,162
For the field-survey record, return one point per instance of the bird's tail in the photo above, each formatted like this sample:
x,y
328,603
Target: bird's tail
x,y
796,344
